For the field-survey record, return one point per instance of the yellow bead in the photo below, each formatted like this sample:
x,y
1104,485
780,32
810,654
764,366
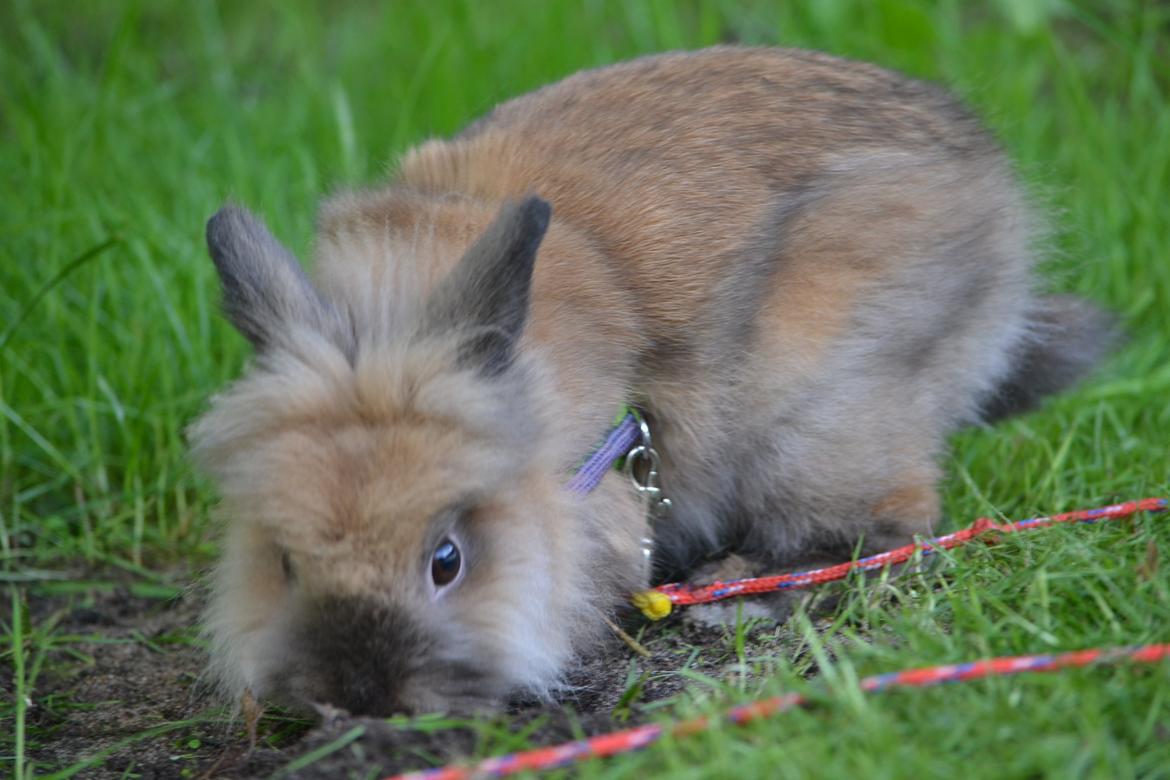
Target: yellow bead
x,y
653,604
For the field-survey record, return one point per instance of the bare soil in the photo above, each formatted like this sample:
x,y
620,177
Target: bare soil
x,y
121,685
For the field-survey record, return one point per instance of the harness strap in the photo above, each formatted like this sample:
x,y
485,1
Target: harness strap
x,y
622,438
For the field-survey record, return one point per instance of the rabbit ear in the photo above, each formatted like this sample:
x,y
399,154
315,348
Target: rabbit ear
x,y
264,289
488,292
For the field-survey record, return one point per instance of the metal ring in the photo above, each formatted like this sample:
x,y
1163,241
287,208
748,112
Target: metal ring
x,y
647,442
651,455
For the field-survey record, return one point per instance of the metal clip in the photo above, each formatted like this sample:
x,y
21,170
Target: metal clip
x,y
657,505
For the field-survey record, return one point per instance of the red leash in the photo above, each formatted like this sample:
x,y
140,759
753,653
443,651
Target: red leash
x,y
639,737
656,607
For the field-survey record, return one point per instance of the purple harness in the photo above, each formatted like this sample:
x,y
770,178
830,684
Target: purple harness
x,y
621,440
628,443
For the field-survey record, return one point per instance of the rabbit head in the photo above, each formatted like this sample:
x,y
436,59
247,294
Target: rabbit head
x,y
395,531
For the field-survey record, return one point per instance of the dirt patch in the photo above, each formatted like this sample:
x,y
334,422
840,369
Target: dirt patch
x,y
120,683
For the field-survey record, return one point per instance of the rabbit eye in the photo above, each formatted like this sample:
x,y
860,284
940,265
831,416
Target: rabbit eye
x,y
445,563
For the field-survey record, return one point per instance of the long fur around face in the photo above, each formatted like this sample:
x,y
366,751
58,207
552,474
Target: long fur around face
x,y
807,271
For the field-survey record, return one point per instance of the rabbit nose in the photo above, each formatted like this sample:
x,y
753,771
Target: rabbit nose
x,y
358,652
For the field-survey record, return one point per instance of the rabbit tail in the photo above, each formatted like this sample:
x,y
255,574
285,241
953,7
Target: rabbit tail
x,y
1067,338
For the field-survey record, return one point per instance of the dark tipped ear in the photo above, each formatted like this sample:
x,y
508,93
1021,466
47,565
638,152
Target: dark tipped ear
x,y
488,292
264,289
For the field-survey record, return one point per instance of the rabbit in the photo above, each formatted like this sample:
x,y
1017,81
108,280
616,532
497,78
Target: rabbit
x,y
805,271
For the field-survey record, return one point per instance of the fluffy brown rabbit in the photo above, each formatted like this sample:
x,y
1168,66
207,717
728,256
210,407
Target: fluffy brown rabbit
x,y
806,271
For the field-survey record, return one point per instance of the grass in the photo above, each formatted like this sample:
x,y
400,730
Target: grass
x,y
123,125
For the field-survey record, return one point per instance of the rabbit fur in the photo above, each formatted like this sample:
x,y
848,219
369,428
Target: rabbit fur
x,y
806,271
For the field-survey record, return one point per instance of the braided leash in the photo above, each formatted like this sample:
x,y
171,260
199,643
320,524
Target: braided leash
x,y
659,602
639,737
